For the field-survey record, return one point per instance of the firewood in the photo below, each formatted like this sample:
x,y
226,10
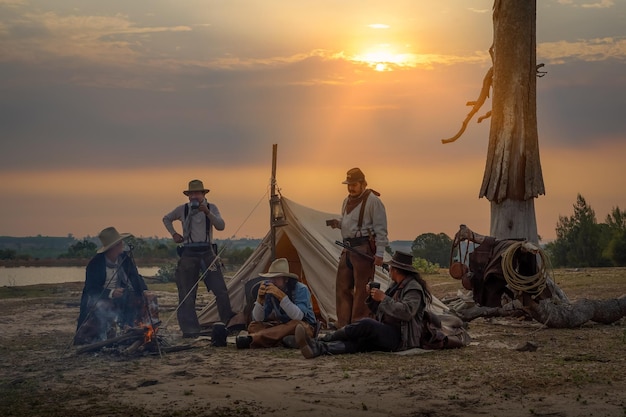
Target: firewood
x,y
130,334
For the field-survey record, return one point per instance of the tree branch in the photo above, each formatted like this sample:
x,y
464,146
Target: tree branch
x,y
476,105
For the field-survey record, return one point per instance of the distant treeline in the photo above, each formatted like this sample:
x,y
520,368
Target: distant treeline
x,y
581,242
69,249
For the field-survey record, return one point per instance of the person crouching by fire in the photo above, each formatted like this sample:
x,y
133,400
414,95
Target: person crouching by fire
x,y
113,293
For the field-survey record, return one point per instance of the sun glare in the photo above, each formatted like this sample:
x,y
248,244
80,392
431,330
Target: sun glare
x,y
383,58
380,50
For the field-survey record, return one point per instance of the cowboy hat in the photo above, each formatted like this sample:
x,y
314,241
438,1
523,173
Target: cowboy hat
x,y
196,185
353,176
109,237
279,268
402,260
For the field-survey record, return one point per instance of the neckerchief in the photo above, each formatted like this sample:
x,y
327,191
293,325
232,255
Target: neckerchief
x,y
353,202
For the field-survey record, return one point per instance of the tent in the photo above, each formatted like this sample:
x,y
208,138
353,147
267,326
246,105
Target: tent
x,y
309,246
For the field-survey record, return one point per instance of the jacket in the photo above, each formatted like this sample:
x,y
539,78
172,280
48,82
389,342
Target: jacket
x,y
405,302
95,278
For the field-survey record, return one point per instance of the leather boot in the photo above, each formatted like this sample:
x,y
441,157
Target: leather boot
x,y
336,335
243,342
337,347
308,347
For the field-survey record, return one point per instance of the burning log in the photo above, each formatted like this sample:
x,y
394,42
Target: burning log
x,y
135,336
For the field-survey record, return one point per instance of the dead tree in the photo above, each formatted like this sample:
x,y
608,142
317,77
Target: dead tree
x,y
513,176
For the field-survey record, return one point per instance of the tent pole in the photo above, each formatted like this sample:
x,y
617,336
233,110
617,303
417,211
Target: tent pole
x,y
272,199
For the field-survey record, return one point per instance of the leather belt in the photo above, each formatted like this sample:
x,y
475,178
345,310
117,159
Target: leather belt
x,y
356,241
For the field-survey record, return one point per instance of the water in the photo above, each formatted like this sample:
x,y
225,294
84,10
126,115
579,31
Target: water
x,y
31,275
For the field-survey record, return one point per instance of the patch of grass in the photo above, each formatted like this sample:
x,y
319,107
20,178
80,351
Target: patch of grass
x,y
32,291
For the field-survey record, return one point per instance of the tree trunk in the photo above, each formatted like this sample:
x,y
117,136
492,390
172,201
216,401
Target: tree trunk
x,y
513,176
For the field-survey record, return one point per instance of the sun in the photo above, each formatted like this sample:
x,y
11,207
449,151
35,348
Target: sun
x,y
384,57
381,50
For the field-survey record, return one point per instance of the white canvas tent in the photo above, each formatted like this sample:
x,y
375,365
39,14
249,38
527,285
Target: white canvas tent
x,y
309,246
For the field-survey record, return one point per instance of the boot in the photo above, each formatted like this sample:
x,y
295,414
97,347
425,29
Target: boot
x,y
308,347
289,342
243,342
312,348
337,347
336,335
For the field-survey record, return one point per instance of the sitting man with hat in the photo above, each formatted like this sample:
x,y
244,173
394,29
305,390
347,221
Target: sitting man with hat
x,y
198,258
282,303
113,294
399,313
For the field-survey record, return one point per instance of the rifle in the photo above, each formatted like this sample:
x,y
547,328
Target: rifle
x,y
370,257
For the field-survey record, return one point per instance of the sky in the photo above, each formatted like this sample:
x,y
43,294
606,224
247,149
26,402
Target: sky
x,y
109,108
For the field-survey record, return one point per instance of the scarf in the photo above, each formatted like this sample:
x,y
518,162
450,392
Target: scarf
x,y
353,202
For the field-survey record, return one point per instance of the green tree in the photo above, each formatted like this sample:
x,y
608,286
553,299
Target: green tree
x,y
237,256
81,249
8,254
434,248
615,249
578,238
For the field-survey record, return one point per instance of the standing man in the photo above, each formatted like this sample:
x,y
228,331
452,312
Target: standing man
x,y
363,225
198,217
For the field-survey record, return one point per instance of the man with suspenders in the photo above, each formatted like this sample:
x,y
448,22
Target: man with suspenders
x,y
363,225
198,216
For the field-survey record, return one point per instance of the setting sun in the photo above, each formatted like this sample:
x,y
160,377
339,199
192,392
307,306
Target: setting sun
x,y
384,58
381,49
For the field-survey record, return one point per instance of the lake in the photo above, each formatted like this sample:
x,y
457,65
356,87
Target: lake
x,y
31,275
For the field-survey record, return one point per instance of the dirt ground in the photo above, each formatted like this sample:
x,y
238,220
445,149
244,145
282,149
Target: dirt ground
x,y
573,372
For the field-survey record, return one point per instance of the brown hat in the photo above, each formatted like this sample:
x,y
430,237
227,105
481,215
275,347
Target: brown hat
x,y
279,268
109,237
354,175
402,260
195,185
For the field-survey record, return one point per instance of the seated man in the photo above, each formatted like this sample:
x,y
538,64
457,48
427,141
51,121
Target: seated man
x,y
282,303
113,295
399,324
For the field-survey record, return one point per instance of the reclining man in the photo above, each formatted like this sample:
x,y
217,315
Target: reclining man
x,y
399,313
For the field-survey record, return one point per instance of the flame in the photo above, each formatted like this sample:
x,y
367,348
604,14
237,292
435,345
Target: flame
x,y
149,333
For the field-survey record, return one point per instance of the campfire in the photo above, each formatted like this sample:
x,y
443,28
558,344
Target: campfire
x,y
142,339
139,339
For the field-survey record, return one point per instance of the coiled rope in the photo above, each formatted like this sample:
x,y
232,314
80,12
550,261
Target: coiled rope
x,y
532,284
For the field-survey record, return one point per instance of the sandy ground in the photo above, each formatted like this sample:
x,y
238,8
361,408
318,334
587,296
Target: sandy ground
x,y
573,372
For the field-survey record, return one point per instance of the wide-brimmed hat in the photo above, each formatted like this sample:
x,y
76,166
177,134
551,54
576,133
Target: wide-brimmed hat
x,y
279,268
402,260
196,185
109,237
354,175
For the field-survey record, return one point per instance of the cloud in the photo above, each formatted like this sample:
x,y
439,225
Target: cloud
x,y
602,4
597,49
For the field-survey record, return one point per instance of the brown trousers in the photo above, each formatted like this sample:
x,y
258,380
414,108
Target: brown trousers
x,y
267,334
353,274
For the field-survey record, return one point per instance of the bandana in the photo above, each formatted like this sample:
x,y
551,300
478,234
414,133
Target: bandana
x,y
353,202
